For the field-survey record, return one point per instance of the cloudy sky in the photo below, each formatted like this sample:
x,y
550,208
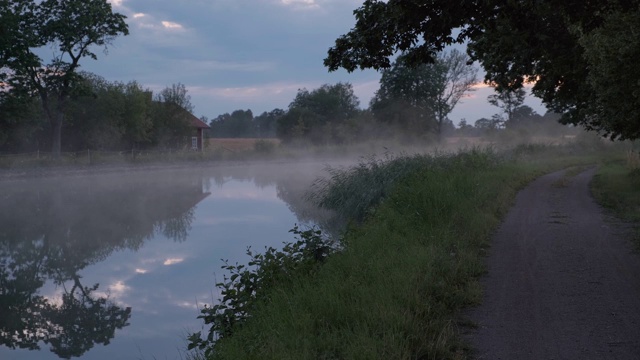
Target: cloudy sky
x,y
243,54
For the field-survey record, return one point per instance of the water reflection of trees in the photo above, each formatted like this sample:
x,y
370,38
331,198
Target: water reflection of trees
x,y
293,182
51,230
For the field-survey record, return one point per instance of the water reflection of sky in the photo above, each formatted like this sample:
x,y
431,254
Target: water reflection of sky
x,y
166,281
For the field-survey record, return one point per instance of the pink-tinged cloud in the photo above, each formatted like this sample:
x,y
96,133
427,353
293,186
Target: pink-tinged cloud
x,y
173,261
172,25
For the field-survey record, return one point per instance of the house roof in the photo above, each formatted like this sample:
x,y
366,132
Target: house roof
x,y
193,120
197,123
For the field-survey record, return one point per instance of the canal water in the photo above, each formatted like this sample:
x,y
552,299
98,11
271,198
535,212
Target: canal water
x,y
116,265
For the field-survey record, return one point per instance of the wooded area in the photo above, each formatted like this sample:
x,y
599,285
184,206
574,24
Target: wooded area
x,y
578,58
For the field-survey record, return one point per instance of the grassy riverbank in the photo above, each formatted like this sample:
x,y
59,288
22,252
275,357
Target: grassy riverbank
x,y
395,290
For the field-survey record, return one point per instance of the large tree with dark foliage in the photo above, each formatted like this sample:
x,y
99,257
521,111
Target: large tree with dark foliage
x,y
171,116
109,115
421,97
265,123
508,101
238,124
579,55
319,115
71,28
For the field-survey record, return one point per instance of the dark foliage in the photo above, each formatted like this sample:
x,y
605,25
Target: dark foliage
x,y
579,55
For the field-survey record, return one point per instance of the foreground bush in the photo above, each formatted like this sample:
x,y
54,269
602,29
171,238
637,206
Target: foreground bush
x,y
248,284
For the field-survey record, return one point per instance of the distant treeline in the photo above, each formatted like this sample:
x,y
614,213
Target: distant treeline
x,y
100,115
331,114
242,124
412,105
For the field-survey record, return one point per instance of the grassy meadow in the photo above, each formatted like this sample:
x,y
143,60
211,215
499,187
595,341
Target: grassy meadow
x,y
410,259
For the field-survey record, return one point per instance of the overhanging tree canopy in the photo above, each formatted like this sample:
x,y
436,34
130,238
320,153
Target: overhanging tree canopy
x,y
571,50
72,28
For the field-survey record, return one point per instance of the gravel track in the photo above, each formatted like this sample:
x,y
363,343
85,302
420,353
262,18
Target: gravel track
x,y
563,281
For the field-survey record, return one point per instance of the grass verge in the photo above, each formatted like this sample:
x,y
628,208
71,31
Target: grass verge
x,y
616,186
395,290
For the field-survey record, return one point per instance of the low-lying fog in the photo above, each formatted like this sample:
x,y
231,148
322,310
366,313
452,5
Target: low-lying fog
x,y
127,258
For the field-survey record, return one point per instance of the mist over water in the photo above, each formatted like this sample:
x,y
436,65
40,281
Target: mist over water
x,y
116,265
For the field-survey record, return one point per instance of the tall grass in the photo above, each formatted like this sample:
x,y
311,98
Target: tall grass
x,y
405,271
616,186
355,191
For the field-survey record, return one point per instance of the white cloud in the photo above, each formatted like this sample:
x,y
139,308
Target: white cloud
x,y
187,305
141,271
56,297
172,25
149,32
116,3
118,289
480,85
301,4
173,261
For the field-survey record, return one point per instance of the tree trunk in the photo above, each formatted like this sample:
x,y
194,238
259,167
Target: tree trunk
x,y
439,122
56,135
55,116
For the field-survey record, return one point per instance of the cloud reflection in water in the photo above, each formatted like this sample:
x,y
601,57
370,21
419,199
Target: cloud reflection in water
x,y
155,243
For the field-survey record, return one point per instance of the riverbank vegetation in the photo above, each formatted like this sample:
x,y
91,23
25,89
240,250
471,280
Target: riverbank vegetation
x,y
408,263
616,186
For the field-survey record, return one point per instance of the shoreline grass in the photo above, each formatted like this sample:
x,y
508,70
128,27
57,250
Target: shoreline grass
x,y
219,150
406,271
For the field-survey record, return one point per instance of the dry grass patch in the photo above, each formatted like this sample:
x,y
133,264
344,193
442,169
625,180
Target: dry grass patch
x,y
237,144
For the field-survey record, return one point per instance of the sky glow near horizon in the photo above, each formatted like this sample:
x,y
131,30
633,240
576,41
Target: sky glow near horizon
x,y
250,54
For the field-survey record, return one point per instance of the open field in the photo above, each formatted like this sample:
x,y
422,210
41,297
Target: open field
x,y
216,150
236,144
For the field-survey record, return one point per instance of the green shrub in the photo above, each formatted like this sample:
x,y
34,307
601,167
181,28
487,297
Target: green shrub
x,y
247,285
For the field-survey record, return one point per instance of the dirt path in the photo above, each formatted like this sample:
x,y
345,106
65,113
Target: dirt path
x,y
563,282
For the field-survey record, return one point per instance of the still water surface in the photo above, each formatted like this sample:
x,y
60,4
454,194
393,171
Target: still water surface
x,y
115,266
